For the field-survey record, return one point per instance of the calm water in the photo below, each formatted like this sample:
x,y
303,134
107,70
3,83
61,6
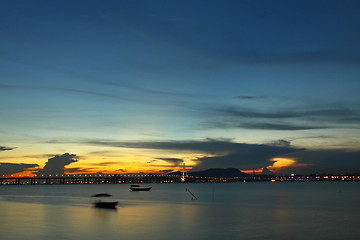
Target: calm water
x,y
282,210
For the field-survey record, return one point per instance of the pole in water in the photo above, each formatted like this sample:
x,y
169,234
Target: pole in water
x,y
192,194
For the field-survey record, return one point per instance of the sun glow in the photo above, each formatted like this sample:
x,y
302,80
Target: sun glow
x,y
280,163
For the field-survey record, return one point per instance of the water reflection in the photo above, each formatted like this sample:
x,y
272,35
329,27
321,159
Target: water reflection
x,y
247,211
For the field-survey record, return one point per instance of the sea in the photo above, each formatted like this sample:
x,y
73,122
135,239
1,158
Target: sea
x,y
242,210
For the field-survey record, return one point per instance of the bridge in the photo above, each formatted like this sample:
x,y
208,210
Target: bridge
x,y
113,179
88,179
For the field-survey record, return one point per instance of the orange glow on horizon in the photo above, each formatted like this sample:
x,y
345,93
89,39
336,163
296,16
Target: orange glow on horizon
x,y
281,163
256,171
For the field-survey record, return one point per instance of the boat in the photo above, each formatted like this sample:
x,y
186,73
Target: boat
x,y
137,188
100,203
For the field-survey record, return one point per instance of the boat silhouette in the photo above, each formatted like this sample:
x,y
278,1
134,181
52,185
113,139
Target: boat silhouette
x,y
137,188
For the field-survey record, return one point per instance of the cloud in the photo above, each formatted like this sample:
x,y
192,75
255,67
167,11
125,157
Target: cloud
x,y
225,153
262,125
337,113
208,145
218,152
263,57
280,143
247,97
56,165
175,161
77,170
63,89
244,157
282,126
292,120
10,168
103,164
166,171
335,161
3,148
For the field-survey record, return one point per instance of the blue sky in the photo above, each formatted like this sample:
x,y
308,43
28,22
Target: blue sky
x,y
103,80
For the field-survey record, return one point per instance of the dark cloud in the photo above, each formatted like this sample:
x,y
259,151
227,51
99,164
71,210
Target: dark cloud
x,y
280,143
3,148
166,171
244,157
208,145
174,161
335,161
76,170
226,153
10,168
80,170
56,165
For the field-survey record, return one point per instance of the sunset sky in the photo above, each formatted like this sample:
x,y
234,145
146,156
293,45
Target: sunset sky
x,y
141,86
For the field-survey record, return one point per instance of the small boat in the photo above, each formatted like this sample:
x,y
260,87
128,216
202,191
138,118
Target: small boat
x,y
137,188
104,204
101,204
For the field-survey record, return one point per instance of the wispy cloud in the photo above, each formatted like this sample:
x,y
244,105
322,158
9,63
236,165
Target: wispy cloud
x,y
302,119
11,168
174,161
64,89
3,148
118,83
262,126
337,113
266,57
248,97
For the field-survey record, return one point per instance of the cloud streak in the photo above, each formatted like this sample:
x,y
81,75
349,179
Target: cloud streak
x,y
3,148
263,126
285,120
11,168
248,97
174,161
279,58
337,113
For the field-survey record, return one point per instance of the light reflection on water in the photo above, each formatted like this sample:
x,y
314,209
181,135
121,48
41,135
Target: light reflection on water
x,y
223,211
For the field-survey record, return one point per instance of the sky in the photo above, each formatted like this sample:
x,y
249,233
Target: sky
x,y
142,86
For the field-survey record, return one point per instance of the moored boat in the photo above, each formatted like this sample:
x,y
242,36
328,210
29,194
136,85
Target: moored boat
x,y
137,188
104,204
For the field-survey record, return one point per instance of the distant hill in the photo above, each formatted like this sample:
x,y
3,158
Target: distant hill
x,y
216,172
